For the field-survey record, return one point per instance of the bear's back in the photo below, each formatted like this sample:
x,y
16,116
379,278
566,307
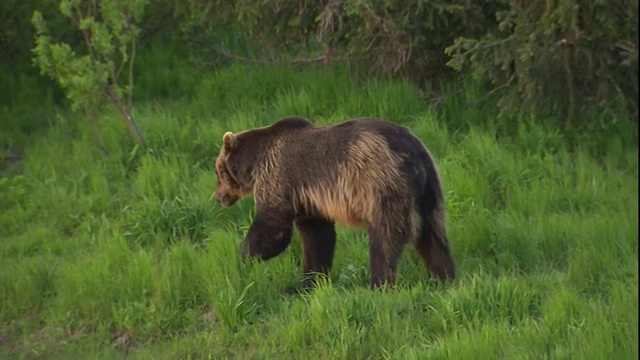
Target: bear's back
x,y
351,151
338,140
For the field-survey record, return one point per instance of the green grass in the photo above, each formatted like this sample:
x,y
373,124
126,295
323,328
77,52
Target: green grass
x,y
100,248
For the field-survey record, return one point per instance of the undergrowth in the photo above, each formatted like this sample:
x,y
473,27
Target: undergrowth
x,y
115,248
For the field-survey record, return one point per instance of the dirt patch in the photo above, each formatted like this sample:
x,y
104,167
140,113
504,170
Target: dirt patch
x,y
10,162
123,342
40,343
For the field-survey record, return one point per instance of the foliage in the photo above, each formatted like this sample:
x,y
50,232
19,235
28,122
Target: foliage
x,y
401,37
569,57
109,30
558,56
16,32
405,36
23,89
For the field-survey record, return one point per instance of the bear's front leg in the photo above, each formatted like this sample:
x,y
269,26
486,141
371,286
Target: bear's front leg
x,y
318,245
269,234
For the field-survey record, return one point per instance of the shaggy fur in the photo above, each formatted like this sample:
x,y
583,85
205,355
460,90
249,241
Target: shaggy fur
x,y
363,173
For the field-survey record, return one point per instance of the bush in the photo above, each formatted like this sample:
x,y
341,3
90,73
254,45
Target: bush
x,y
559,56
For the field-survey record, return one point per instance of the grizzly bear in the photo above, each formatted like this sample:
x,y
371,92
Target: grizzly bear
x,y
364,173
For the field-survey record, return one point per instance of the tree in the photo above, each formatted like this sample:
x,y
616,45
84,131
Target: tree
x,y
93,75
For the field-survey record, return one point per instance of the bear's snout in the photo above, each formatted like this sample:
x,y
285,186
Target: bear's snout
x,y
220,198
224,199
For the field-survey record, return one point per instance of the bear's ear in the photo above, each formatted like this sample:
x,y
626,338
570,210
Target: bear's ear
x,y
229,141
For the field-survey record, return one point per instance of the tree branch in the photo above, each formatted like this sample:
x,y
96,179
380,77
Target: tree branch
x,y
132,59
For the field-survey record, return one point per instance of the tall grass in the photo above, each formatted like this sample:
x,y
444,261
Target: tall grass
x,y
98,248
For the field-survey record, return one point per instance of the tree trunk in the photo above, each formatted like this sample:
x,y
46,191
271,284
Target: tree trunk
x,y
133,129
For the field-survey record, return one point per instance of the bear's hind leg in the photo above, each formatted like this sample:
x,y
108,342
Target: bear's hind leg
x,y
318,244
386,242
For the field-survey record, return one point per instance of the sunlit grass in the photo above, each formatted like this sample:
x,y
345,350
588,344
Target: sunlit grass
x,y
99,242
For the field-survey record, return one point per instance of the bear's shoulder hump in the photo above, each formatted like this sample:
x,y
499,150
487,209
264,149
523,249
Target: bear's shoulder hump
x,y
292,122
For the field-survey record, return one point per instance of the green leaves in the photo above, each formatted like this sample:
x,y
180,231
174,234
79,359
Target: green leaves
x,y
91,76
77,75
59,62
558,57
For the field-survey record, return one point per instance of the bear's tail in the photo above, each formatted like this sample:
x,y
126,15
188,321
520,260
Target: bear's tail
x,y
433,243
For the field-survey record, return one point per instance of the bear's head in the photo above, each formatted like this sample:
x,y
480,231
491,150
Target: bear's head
x,y
231,185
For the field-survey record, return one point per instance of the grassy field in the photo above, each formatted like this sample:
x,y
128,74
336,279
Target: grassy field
x,y
115,252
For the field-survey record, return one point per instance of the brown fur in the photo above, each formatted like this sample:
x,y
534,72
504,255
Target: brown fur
x,y
364,173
